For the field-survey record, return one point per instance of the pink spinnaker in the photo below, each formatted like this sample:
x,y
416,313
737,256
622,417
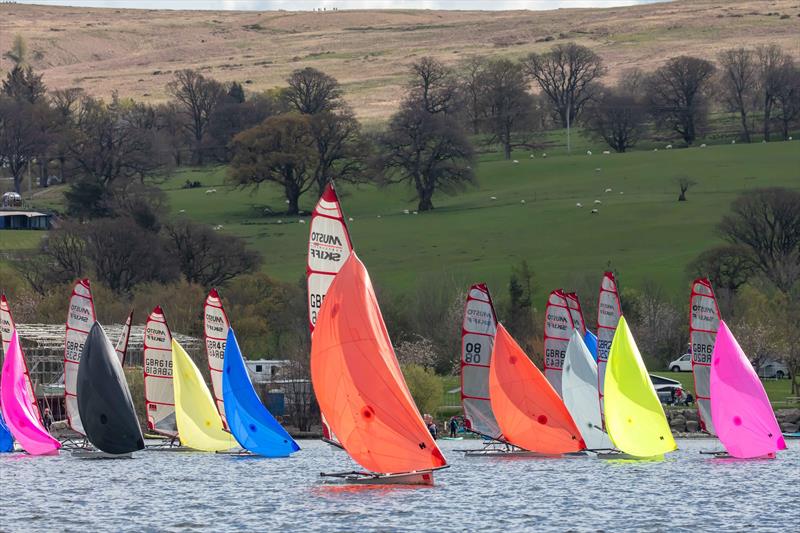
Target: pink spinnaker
x,y
742,415
17,408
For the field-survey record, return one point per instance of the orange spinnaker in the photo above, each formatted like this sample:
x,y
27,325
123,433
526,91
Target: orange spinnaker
x,y
528,410
358,383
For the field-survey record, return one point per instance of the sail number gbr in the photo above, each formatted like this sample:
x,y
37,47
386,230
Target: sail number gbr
x,y
314,303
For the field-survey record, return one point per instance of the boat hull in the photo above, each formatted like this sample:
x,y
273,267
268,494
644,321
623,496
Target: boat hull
x,y
421,478
99,454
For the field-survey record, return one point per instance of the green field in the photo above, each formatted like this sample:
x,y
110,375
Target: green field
x,y
641,230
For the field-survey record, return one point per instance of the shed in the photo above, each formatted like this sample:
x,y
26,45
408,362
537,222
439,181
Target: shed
x,y
24,220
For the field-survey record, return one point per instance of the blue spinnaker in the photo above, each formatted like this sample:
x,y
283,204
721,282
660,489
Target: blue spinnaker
x,y
251,423
591,342
6,440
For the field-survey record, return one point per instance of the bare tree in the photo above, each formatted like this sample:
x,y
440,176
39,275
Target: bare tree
x,y
429,151
507,106
738,82
312,91
617,118
470,82
775,67
766,222
197,97
279,150
787,100
677,93
567,75
728,268
684,182
433,85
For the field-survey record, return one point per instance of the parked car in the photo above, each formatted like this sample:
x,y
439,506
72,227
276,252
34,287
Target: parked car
x,y
774,370
665,388
682,363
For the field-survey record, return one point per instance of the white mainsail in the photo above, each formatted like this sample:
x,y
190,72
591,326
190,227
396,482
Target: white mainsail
x,y
477,340
80,319
558,328
579,390
215,327
609,312
704,320
7,328
159,393
122,343
329,246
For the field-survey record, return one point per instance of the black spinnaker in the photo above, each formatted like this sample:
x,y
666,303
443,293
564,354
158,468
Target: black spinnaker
x,y
104,401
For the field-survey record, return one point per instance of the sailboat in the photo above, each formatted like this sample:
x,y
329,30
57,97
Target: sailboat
x,y
122,343
159,395
6,439
528,409
199,424
104,401
558,326
576,312
361,390
743,417
7,328
17,405
704,319
590,340
609,312
477,340
329,247
634,418
579,390
80,319
253,426
215,331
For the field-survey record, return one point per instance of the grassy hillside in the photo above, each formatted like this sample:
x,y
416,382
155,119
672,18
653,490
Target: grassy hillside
x,y
641,230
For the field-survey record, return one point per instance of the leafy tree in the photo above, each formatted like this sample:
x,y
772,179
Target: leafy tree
x,y
520,308
22,135
279,150
684,183
23,84
425,387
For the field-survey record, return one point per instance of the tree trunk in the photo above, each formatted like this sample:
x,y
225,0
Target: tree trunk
x,y
507,149
425,198
293,196
767,116
745,129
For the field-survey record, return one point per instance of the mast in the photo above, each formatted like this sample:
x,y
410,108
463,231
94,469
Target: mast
x,y
477,340
122,343
215,330
704,319
558,326
80,319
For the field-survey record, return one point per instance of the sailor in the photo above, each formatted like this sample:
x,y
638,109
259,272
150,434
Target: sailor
x,y
453,427
47,418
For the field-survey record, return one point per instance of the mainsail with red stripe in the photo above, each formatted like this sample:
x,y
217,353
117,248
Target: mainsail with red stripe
x,y
122,343
7,328
215,327
159,394
80,319
477,341
558,328
329,246
609,312
704,320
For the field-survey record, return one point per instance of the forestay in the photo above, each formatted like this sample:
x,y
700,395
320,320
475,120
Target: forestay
x,y
329,246
704,318
358,382
121,347
477,339
557,331
609,312
579,390
80,319
158,391
215,328
7,327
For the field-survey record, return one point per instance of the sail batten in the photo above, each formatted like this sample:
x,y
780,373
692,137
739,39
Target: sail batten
x,y
158,389
558,326
329,247
358,382
528,409
704,319
215,330
477,340
80,319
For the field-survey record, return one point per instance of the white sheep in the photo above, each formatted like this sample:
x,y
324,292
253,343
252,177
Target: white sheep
x,y
515,162
621,192
280,221
286,201
579,204
588,152
182,211
606,152
790,138
764,141
608,190
733,141
218,227
493,198
522,201
544,155
414,213
655,149
703,145
211,191
406,211
301,221
533,156
595,211
669,147
379,216
597,202
598,169
350,219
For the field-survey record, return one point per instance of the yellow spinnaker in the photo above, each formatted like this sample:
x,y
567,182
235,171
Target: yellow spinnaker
x,y
199,423
635,420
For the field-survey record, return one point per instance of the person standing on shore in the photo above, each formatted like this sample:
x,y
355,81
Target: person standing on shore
x,y
453,427
47,419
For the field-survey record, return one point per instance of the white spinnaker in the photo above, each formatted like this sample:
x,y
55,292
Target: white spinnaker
x,y
477,341
575,310
579,390
80,319
609,312
215,327
7,328
557,331
122,343
704,320
159,395
329,246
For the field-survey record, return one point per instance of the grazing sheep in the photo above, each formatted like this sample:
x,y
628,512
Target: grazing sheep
x,y
655,149
764,141
406,211
301,221
608,190
669,147
733,141
544,156
286,201
182,211
280,221
621,192
606,152
595,211
415,213
218,227
598,170
703,145
515,161
350,219
379,216
522,201
533,156
579,204
211,191
588,152
493,198
790,138
597,202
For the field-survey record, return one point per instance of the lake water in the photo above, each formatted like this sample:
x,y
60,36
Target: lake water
x,y
159,491
309,5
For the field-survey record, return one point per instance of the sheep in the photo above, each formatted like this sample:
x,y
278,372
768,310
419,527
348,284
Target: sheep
x,y
598,169
588,152
790,138
493,198
703,145
733,141
406,211
522,201
211,191
533,156
287,202
515,162
182,211
218,227
350,219
544,155
764,141
414,213
621,192
669,147
655,149
597,202
579,204
301,221
379,216
280,221
606,152
595,211
608,190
